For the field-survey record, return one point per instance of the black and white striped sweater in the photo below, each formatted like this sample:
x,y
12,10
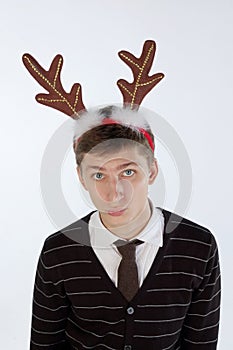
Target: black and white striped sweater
x,y
77,306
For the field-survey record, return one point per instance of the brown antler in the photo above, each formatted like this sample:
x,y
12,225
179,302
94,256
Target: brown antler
x,y
133,93
68,103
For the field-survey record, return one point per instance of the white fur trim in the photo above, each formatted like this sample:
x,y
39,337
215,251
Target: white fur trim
x,y
124,116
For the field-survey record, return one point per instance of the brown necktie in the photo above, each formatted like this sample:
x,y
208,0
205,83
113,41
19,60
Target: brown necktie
x,y
127,270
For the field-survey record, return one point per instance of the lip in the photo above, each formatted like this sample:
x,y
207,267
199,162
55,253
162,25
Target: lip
x,y
116,212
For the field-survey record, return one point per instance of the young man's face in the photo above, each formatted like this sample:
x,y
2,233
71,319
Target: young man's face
x,y
118,185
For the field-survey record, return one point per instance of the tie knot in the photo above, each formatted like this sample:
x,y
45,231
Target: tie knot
x,y
127,249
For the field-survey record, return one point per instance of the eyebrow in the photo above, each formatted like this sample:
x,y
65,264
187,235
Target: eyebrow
x,y
119,167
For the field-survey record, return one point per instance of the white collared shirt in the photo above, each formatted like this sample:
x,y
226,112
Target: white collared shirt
x,y
102,243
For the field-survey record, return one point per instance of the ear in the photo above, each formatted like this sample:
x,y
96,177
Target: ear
x,y
153,172
79,171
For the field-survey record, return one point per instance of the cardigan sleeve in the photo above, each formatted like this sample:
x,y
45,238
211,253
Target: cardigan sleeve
x,y
200,329
50,306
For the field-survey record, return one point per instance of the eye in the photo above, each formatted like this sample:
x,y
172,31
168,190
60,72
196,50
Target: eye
x,y
98,176
129,172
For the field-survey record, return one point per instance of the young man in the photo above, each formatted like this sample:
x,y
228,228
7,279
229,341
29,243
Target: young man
x,y
118,278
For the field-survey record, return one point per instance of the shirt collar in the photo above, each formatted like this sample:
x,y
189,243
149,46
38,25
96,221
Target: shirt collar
x,y
152,233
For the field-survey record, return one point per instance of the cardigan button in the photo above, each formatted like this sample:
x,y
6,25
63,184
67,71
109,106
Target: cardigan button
x,y
130,311
127,347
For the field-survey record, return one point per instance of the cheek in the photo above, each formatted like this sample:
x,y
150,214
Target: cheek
x,y
140,187
90,187
140,182
98,190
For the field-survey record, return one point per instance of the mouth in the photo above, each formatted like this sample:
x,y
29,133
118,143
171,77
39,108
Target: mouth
x,y
116,212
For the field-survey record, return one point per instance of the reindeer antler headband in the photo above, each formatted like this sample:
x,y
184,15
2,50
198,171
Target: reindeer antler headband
x,y
71,103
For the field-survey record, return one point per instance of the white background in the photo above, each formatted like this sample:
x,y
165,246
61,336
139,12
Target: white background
x,y
194,50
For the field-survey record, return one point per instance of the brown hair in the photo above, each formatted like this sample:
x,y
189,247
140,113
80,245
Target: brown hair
x,y
108,138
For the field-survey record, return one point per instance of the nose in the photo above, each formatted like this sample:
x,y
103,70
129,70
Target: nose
x,y
114,190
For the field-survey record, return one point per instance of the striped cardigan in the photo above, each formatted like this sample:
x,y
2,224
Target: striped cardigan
x,y
77,306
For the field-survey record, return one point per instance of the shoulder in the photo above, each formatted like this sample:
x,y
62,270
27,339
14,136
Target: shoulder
x,y
179,227
73,235
188,242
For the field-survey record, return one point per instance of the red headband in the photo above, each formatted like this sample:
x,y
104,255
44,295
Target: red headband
x,y
143,131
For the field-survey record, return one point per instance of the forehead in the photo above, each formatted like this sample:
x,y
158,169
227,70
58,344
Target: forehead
x,y
116,159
